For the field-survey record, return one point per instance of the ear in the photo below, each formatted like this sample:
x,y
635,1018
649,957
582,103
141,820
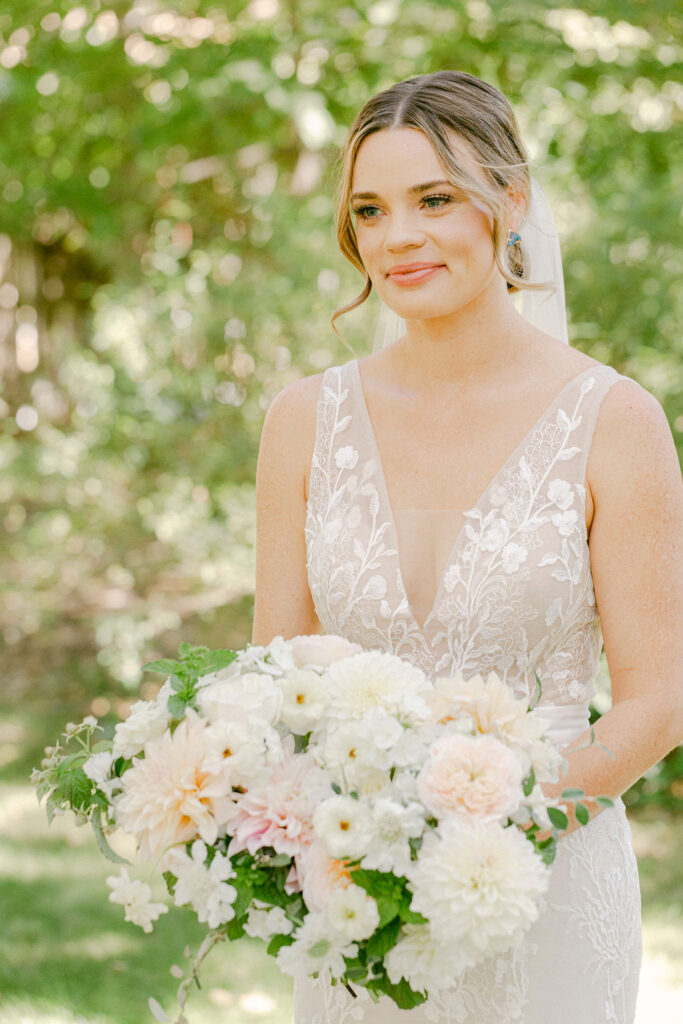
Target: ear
x,y
516,205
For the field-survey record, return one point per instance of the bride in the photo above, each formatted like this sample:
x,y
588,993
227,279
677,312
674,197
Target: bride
x,y
477,495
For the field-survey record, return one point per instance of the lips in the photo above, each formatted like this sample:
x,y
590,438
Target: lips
x,y
408,268
404,273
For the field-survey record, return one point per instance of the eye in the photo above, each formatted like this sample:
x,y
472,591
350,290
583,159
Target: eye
x,y
439,201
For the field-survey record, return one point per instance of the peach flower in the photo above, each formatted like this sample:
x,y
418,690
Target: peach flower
x,y
477,776
318,649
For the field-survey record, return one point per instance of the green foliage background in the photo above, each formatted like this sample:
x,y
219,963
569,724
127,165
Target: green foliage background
x,y
167,173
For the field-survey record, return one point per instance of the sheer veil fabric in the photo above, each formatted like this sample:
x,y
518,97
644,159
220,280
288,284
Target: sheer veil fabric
x,y
544,308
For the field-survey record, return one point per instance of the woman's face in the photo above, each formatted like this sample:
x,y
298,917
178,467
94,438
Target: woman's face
x,y
400,222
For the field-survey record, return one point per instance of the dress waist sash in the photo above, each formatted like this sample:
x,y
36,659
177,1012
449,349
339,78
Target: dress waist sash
x,y
566,722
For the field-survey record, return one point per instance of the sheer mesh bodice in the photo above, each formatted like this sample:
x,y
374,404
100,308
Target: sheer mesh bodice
x,y
505,585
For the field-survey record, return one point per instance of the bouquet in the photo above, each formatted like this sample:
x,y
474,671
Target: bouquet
x,y
364,821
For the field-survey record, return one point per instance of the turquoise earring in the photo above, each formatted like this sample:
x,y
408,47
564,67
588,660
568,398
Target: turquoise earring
x,y
513,237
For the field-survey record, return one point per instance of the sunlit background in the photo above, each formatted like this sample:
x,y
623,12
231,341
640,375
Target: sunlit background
x,y
168,263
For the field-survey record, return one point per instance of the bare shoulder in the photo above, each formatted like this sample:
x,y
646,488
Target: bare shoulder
x,y
289,427
632,445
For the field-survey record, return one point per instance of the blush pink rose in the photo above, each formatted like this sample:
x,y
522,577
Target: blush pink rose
x,y
471,775
318,649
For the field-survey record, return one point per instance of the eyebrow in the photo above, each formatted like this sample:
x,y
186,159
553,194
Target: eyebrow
x,y
412,190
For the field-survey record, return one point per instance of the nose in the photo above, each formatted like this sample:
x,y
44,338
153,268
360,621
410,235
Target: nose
x,y
401,232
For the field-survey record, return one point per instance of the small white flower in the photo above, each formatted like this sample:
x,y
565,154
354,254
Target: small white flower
x,y
317,947
513,556
343,825
565,522
394,825
427,965
560,493
204,887
147,721
136,897
98,768
346,457
263,923
353,912
304,699
90,720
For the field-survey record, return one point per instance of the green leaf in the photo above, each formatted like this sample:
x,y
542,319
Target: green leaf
x,y
529,783
581,812
277,942
235,928
176,683
409,916
320,948
606,801
383,940
538,691
176,705
402,994
214,661
74,786
572,794
558,817
336,788
170,880
165,666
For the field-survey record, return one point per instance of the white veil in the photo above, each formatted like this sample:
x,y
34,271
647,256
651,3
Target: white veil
x,y
544,308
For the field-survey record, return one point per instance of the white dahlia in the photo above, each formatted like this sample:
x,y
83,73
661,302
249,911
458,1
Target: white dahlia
x,y
479,886
374,679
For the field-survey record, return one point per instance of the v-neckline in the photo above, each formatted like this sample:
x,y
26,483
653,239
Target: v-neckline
x,y
482,497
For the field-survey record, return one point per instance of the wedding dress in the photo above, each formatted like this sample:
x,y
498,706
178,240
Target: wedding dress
x,y
510,590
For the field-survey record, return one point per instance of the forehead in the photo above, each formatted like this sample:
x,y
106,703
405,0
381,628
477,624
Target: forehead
x,y
396,158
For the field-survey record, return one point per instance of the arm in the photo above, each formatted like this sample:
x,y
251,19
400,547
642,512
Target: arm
x,y
283,603
636,548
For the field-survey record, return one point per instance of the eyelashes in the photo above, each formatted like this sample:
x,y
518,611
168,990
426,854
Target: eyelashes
x,y
362,214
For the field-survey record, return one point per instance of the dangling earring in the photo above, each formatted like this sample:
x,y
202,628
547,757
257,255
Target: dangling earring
x,y
513,237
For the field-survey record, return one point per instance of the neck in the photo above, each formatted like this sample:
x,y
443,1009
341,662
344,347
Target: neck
x,y
466,346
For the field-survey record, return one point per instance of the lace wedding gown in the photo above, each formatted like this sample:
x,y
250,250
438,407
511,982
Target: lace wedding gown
x,y
514,593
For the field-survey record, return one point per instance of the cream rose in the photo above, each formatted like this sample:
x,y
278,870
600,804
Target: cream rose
x,y
477,776
318,649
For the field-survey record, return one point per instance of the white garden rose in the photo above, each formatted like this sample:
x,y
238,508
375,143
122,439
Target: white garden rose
x,y
147,720
321,650
478,885
353,913
252,697
343,825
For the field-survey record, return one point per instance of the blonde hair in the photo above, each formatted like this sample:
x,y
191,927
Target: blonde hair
x,y
483,118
